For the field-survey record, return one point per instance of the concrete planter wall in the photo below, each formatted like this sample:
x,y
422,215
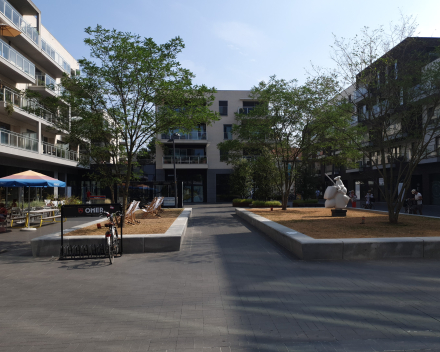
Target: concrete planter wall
x,y
308,248
49,245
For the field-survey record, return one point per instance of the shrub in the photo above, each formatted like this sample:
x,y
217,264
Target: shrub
x,y
269,203
307,201
241,202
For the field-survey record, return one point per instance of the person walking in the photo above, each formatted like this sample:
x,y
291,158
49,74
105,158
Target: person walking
x,y
368,198
353,199
418,199
318,193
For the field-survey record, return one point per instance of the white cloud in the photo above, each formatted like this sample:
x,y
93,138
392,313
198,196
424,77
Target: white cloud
x,y
240,35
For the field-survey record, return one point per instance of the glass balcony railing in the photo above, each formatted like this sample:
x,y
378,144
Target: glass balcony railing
x,y
15,17
17,59
55,56
29,105
16,140
190,136
185,160
59,152
48,82
245,111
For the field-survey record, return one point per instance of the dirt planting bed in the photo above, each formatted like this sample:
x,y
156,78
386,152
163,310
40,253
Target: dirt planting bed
x,y
318,223
149,225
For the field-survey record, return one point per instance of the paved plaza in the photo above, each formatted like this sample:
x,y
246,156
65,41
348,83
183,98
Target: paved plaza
x,y
229,289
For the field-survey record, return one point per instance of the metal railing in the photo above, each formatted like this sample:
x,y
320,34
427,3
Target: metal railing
x,y
185,160
28,105
17,59
49,83
17,19
55,56
58,152
190,136
18,141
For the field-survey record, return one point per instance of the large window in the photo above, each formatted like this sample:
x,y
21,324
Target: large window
x,y
223,107
227,132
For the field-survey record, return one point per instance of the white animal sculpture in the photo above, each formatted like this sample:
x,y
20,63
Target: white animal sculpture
x,y
335,196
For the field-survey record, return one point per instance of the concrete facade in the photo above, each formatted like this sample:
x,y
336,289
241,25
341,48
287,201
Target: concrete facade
x,y
227,103
33,60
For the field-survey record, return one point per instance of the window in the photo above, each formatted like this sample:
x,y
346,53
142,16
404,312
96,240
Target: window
x,y
223,107
227,132
248,106
224,156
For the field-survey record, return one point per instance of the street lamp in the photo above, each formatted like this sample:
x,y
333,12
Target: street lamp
x,y
172,139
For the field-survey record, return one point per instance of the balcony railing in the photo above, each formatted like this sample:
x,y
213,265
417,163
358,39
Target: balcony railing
x,y
17,59
55,56
245,111
16,18
191,136
185,160
58,152
16,140
28,105
49,83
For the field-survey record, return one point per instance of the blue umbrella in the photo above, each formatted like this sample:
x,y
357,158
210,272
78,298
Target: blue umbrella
x,y
30,179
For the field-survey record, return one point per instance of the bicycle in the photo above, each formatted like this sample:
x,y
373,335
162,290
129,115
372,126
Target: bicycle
x,y
111,236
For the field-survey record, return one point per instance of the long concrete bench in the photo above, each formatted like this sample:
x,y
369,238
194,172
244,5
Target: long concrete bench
x,y
308,248
49,245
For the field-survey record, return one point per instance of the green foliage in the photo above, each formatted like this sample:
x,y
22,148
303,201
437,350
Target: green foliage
x,y
288,124
306,182
130,90
9,108
305,201
241,179
239,202
262,203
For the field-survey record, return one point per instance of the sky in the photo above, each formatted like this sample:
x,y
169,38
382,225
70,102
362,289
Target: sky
x,y
234,44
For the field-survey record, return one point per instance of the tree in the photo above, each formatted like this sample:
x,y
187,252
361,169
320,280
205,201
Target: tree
x,y
136,89
396,101
286,122
241,179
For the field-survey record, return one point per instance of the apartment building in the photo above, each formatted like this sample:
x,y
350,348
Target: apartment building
x,y
369,105
33,60
201,170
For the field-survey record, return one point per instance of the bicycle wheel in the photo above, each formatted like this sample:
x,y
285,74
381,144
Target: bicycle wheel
x,y
116,241
110,249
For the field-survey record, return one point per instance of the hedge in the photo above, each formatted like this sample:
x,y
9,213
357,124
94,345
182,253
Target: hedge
x,y
269,203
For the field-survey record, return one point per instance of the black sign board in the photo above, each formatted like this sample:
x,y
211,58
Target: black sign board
x,y
92,210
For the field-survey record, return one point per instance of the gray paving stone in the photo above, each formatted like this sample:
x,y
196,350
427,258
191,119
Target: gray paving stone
x,y
230,288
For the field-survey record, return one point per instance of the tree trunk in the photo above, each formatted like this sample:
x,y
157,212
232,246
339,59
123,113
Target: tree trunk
x,y
285,198
112,191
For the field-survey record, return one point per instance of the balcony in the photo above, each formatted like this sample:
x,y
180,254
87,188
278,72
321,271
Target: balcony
x,y
245,111
17,19
15,66
46,86
58,152
18,143
184,162
55,56
184,137
29,106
